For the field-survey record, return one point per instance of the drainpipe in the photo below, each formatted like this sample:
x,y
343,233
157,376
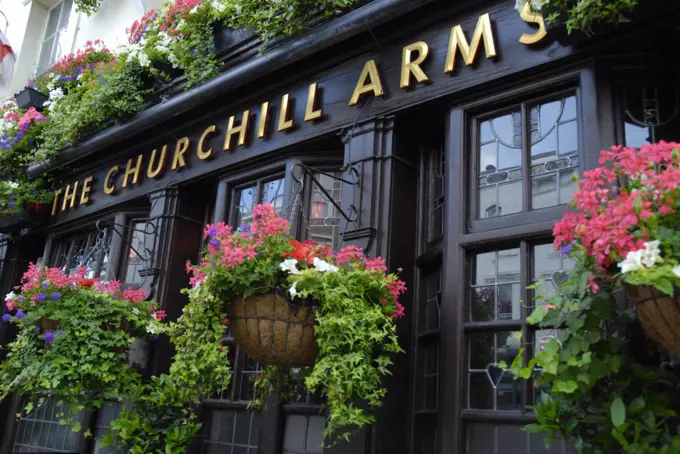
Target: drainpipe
x,y
351,24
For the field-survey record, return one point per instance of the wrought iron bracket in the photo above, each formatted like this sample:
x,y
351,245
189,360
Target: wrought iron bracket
x,y
298,185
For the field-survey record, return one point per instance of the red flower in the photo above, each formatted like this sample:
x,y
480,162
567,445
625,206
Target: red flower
x,y
159,315
302,253
87,283
225,321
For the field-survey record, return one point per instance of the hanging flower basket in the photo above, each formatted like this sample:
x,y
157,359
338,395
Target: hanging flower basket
x,y
274,331
659,315
28,218
30,97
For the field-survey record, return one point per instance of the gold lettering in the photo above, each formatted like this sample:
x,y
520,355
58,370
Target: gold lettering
x,y
87,187
532,17
241,130
409,66
264,114
69,197
152,172
57,193
129,170
199,149
310,113
373,83
109,187
181,148
284,122
469,51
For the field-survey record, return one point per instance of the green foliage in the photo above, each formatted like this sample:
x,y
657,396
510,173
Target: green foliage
x,y
583,15
107,93
284,17
88,7
602,386
161,415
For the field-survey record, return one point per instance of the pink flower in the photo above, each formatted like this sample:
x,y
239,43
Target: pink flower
x,y
377,264
30,115
159,315
592,285
133,295
10,305
349,254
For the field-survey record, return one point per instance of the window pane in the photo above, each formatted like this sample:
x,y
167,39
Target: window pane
x,y
53,21
487,438
40,431
554,152
231,430
428,307
496,288
435,192
135,262
324,218
303,434
500,162
90,251
546,262
45,60
490,387
105,416
272,192
243,208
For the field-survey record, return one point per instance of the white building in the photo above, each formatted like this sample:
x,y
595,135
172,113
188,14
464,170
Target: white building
x,y
42,31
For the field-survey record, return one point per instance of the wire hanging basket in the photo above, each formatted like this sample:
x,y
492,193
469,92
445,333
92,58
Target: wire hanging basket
x,y
659,315
273,330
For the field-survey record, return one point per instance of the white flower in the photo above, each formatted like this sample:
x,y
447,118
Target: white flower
x,y
194,9
633,262
537,5
151,328
324,266
13,184
9,296
651,254
293,290
135,311
218,5
144,60
289,265
676,270
56,94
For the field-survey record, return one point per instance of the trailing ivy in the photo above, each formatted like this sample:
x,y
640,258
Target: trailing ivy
x,y
161,415
88,7
583,15
602,384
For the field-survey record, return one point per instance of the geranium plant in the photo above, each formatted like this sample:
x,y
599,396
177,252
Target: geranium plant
x,y
353,300
603,388
74,336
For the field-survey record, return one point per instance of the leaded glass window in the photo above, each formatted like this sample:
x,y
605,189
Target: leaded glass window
x,y
324,217
246,197
539,138
498,302
90,250
40,431
650,111
231,432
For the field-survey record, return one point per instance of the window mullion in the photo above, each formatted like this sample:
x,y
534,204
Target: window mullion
x,y
525,276
526,157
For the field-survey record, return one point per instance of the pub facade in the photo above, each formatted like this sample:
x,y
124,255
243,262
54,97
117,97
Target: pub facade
x,y
442,136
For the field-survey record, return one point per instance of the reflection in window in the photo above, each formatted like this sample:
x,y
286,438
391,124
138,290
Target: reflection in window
x,y
90,251
324,218
303,434
546,262
552,136
496,286
273,193
135,262
245,199
109,412
489,386
57,21
500,165
554,152
436,162
40,431
232,432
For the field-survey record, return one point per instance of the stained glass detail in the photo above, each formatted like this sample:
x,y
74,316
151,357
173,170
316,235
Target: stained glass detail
x,y
324,218
90,251
489,386
500,162
554,152
647,110
246,199
546,262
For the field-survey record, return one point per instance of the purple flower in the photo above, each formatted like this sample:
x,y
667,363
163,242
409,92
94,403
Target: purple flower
x,y
212,231
215,243
12,197
41,297
245,228
56,295
6,318
11,204
59,333
566,249
45,284
21,314
49,337
36,329
21,299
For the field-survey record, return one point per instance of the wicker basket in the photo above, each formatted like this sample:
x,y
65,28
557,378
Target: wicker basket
x,y
49,325
659,315
273,331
